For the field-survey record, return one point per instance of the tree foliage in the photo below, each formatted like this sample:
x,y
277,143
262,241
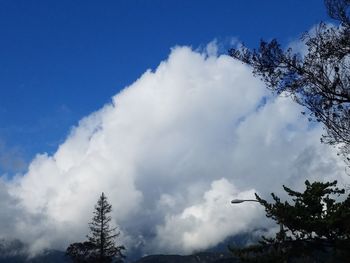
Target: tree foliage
x,y
314,226
101,234
81,252
318,79
101,246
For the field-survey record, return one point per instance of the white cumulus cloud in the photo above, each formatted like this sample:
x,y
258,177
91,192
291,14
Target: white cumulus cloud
x,y
208,222
170,152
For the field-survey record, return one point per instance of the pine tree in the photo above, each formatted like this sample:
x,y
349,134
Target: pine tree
x,y
101,246
315,227
319,80
102,236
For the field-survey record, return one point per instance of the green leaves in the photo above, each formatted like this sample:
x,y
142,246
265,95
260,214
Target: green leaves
x,y
313,223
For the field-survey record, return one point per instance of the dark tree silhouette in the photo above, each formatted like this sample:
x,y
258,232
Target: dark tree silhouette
x,y
315,227
101,246
338,9
318,79
81,252
101,234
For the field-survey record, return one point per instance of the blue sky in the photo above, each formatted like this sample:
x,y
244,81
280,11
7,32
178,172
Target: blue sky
x,y
61,60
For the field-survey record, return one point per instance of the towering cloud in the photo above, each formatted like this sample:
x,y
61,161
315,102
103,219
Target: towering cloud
x,y
170,152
